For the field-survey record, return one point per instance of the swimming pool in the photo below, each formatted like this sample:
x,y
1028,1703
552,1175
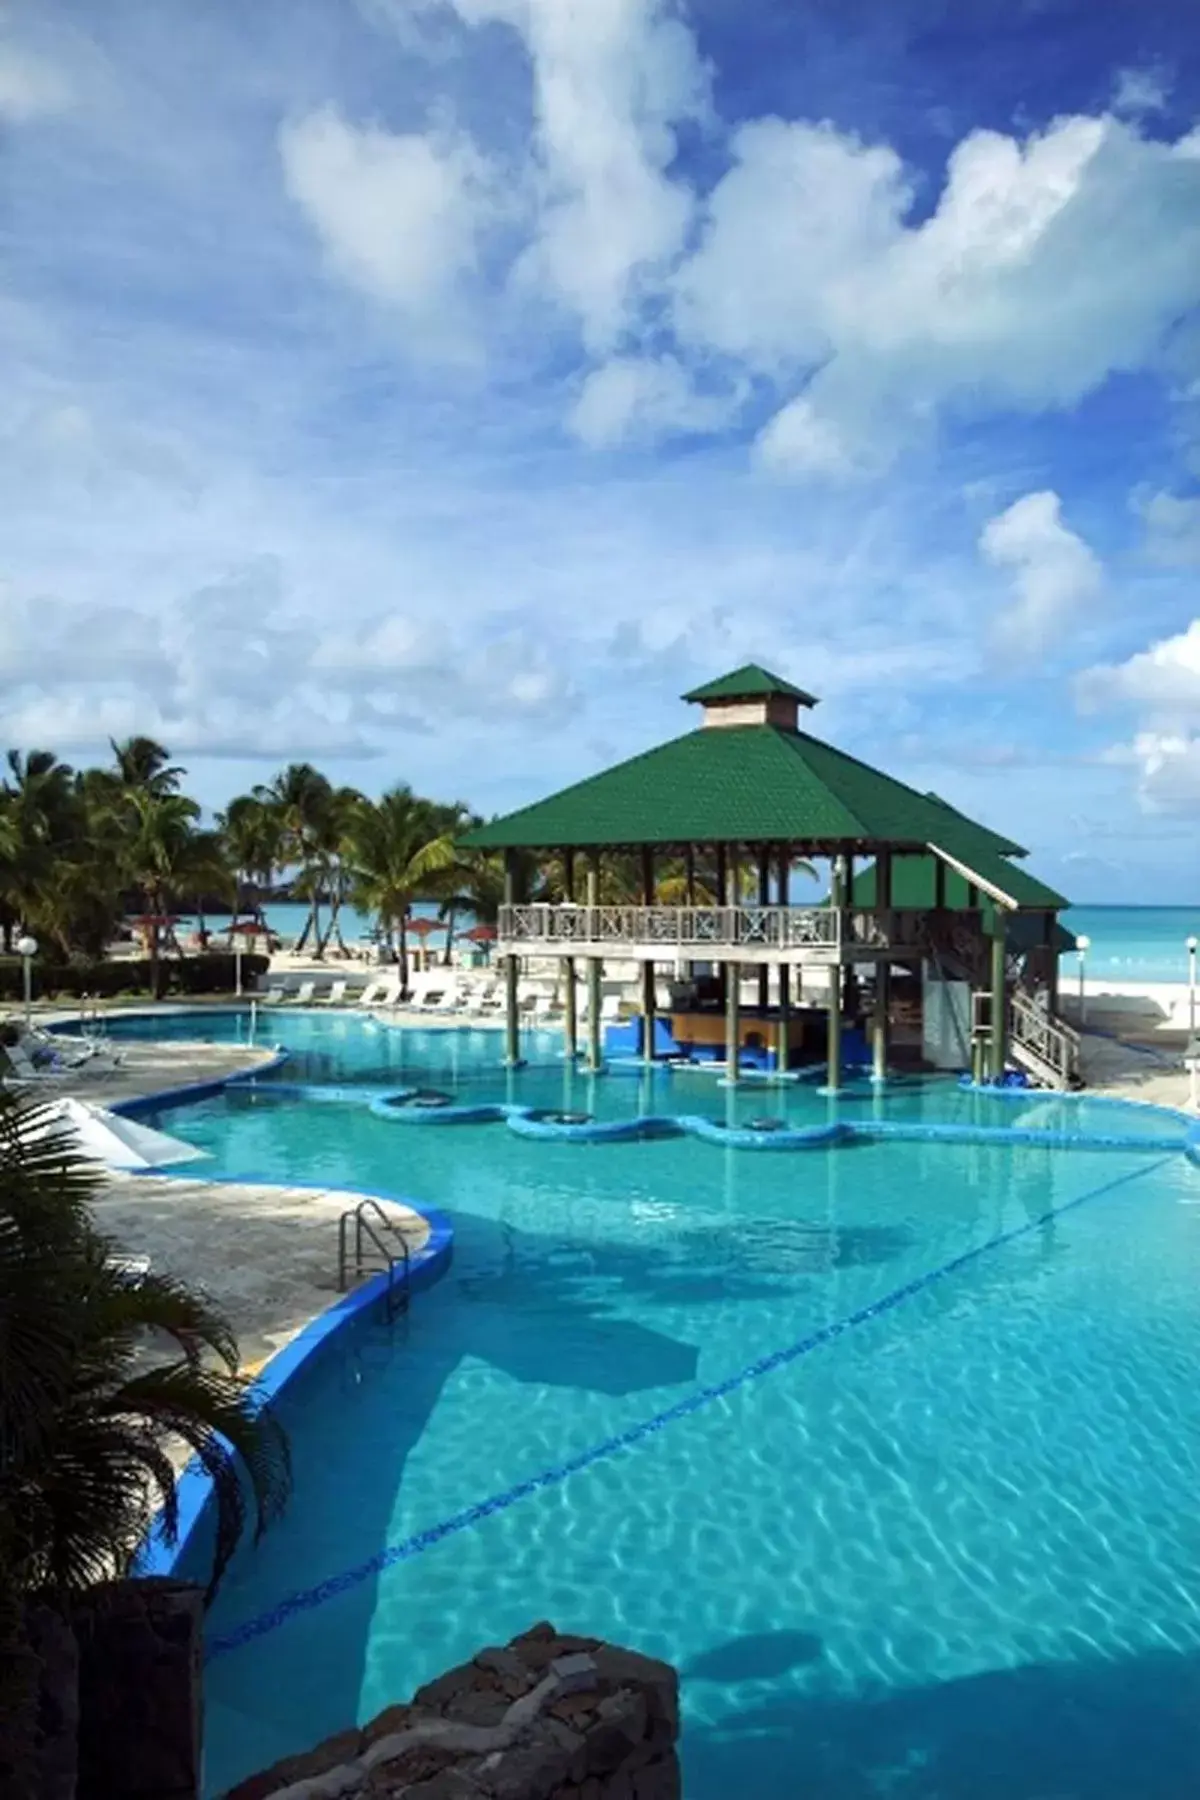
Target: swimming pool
x,y
888,1447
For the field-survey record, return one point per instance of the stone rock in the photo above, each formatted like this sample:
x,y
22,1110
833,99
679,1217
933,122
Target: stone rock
x,y
140,1715
626,1668
436,1694
574,1672
528,1771
575,1709
389,1721
508,1669
537,1650
54,1715
451,1784
659,1781
479,1706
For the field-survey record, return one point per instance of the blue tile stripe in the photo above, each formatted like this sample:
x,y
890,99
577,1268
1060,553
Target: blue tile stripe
x,y
307,1599
524,1121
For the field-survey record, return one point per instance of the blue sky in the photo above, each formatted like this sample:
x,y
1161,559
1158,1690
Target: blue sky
x,y
435,389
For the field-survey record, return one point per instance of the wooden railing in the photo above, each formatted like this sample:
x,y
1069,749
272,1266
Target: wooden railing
x,y
694,929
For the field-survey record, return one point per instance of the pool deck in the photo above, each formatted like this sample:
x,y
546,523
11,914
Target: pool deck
x,y
266,1255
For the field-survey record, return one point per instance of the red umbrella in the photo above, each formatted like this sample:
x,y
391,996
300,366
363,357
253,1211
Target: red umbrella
x,y
422,927
248,927
481,934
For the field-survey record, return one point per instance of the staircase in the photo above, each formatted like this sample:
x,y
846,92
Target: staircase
x,y
1044,1046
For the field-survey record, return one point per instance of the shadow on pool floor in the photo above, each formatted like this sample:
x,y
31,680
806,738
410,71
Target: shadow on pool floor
x,y
1121,1729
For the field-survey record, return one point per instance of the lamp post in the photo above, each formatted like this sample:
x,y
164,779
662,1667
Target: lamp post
x,y
1082,946
27,949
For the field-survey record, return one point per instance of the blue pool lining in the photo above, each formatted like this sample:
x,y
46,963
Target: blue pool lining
x,y
425,1266
526,1122
307,1599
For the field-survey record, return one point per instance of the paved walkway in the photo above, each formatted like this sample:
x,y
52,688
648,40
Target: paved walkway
x,y
267,1255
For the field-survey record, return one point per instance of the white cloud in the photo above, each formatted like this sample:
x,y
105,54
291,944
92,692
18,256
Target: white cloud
x,y
1046,266
612,79
1168,770
400,217
799,441
1161,683
29,89
1140,89
646,397
1172,526
1054,574
803,208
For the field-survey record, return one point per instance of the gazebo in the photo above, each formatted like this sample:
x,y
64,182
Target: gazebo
x,y
743,797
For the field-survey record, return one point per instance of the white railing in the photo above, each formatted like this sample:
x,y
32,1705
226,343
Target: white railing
x,y
1048,1039
694,928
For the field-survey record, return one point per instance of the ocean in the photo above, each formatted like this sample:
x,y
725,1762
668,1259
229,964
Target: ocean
x,y
1133,943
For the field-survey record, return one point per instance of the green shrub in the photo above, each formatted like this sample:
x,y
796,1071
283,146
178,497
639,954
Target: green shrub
x,y
213,973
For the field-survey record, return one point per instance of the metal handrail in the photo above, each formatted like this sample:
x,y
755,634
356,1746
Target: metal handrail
x,y
363,1225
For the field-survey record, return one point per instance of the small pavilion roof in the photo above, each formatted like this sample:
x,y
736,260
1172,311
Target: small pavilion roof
x,y
750,682
741,784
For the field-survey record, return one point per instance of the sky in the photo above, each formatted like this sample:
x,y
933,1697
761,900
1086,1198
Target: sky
x,y
436,389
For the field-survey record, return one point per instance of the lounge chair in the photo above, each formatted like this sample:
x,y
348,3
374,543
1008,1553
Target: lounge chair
x,y
134,1268
478,1000
337,993
274,994
24,1072
304,993
430,1000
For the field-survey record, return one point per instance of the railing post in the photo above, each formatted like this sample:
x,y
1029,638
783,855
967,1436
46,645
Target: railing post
x,y
512,1028
999,999
595,967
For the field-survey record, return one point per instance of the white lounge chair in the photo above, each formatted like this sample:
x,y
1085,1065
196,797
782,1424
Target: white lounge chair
x,y
274,994
304,993
337,993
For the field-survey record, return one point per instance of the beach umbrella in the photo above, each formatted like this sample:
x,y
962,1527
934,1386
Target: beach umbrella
x,y
423,929
243,928
483,935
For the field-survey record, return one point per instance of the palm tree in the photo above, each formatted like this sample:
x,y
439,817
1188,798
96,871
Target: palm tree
x,y
300,798
168,858
99,1376
252,834
143,763
397,853
335,876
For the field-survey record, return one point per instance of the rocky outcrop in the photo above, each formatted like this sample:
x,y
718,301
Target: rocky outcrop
x,y
547,1717
140,1713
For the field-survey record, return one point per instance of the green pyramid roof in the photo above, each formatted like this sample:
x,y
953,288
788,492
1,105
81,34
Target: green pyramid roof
x,y
740,784
750,682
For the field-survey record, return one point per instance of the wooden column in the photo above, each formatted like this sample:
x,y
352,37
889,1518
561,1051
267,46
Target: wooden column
x,y
595,1052
733,1021
512,1022
733,975
570,992
764,899
723,900
783,1049
648,994
883,973
999,997
833,1078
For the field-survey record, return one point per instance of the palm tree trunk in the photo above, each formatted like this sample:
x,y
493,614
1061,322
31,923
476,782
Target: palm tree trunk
x,y
404,949
450,912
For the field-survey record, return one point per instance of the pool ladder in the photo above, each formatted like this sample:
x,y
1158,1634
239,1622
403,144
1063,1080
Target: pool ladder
x,y
382,1240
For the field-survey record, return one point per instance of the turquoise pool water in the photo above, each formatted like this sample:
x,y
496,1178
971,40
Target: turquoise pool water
x,y
890,1448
